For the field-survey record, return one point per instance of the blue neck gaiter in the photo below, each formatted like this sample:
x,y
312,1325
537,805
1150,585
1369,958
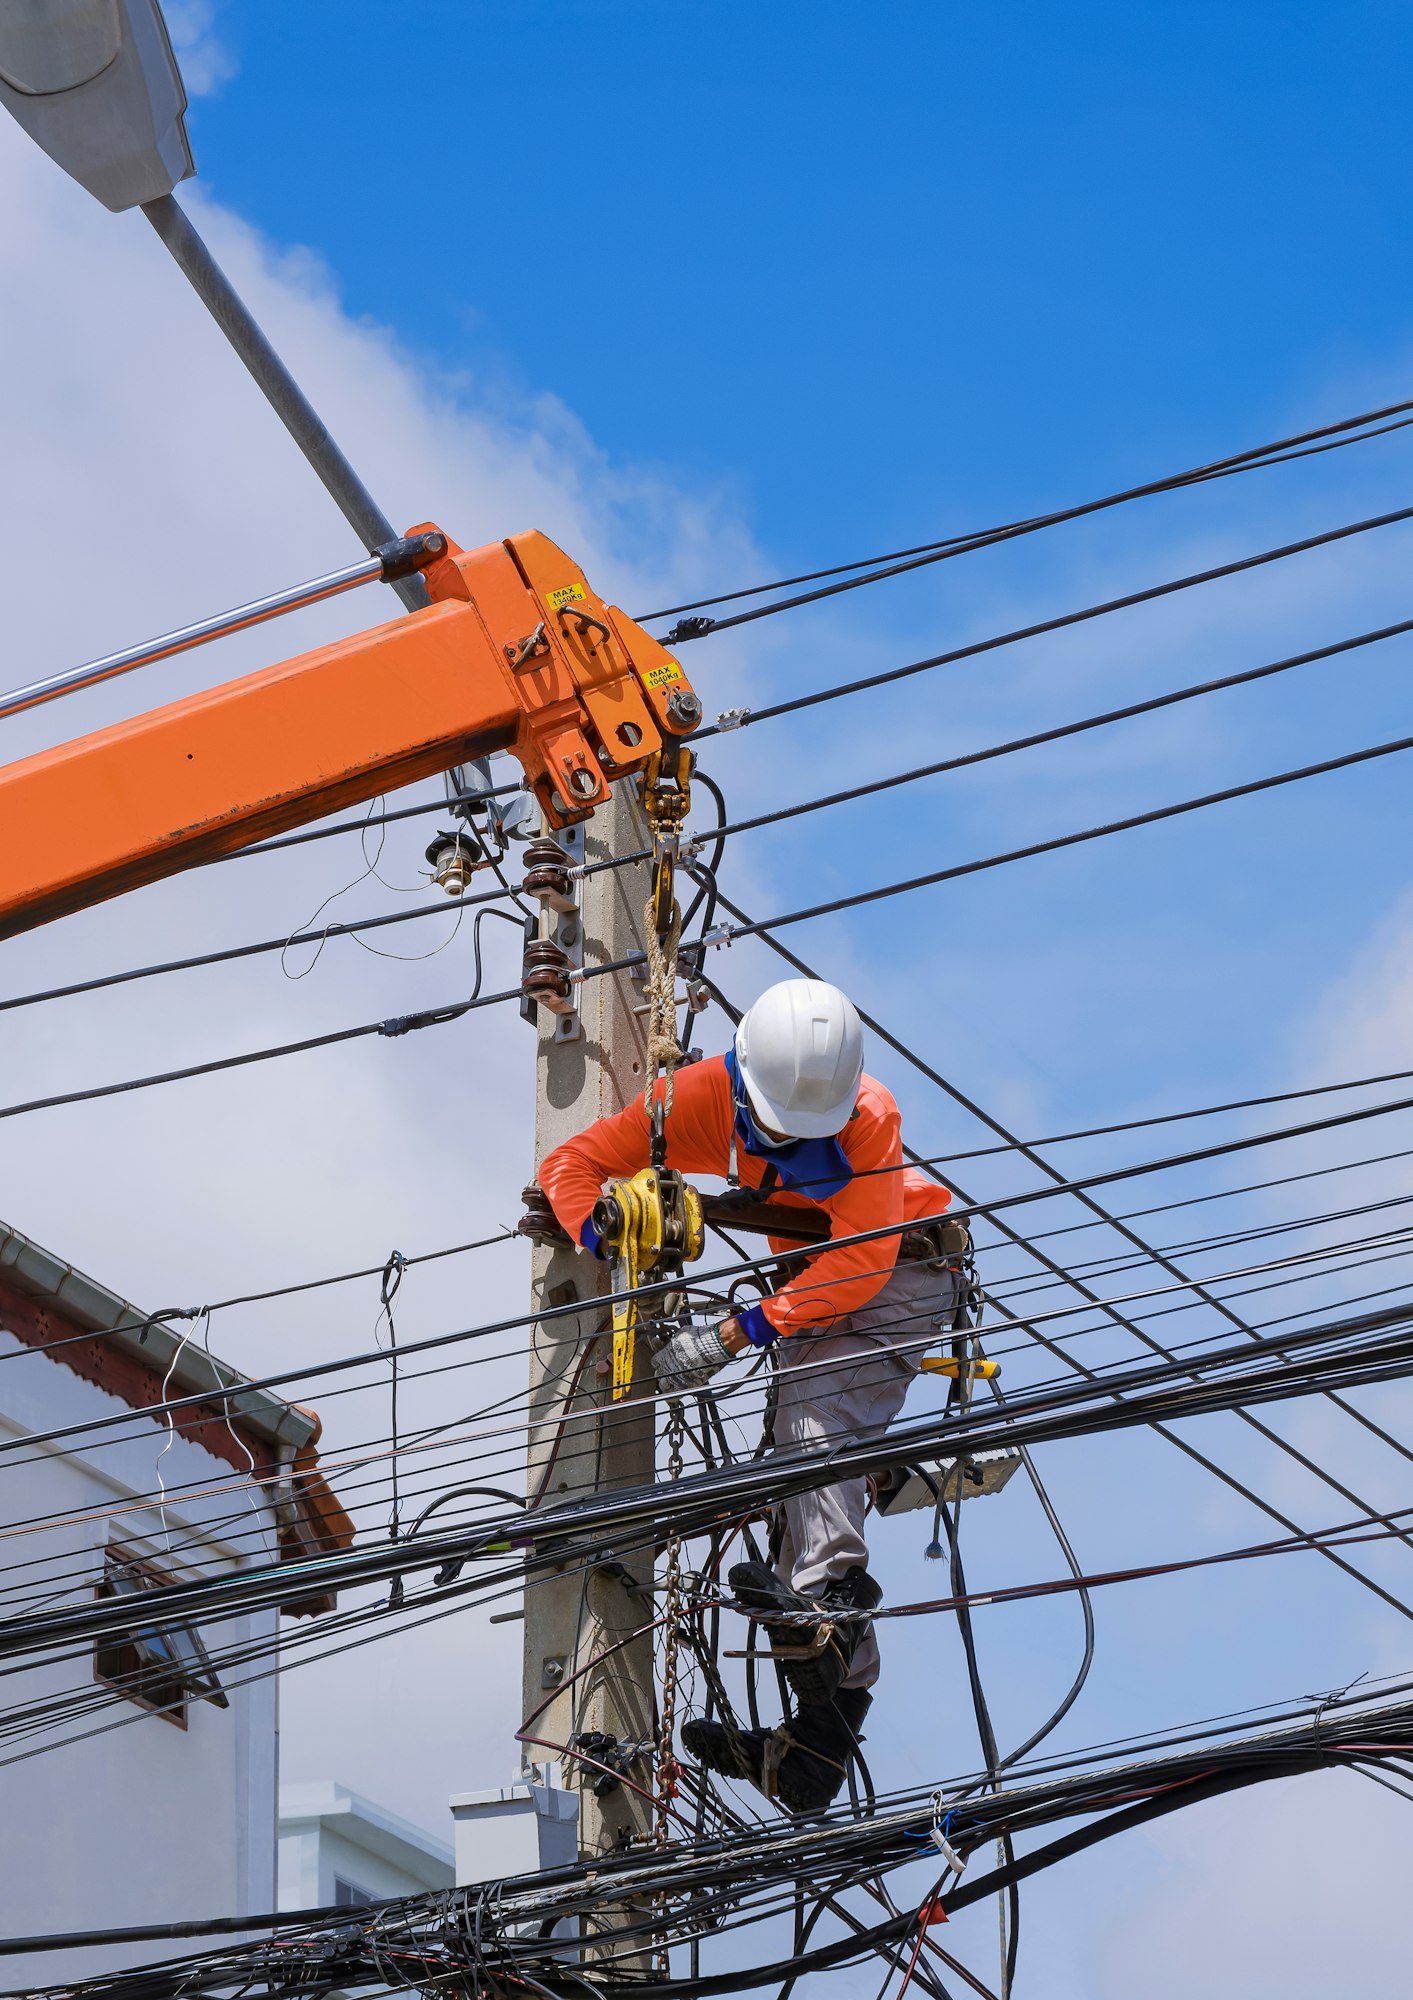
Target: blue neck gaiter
x,y
815,1167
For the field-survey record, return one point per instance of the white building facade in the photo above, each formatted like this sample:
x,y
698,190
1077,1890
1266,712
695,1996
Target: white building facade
x,y
338,1849
140,1780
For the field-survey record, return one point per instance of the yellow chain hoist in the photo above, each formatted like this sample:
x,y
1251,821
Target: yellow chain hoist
x,y
652,1224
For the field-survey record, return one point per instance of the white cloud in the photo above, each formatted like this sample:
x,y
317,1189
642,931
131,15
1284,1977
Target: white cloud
x,y
206,60
145,482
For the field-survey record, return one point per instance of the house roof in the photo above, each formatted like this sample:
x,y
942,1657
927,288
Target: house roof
x,y
49,1305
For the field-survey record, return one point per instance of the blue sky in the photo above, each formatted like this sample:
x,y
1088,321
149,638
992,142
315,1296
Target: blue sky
x,y
876,271
714,293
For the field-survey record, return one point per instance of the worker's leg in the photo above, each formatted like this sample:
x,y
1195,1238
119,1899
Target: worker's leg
x,y
842,1388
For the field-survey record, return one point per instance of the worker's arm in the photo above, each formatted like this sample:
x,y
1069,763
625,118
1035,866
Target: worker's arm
x,y
614,1148
573,1175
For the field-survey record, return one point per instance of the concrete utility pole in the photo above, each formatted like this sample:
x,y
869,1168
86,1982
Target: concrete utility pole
x,y
570,1620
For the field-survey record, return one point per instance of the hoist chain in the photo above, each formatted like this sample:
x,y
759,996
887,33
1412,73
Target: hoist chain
x,y
672,1639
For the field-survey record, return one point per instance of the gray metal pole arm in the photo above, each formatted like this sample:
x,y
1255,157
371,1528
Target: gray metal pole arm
x,y
281,391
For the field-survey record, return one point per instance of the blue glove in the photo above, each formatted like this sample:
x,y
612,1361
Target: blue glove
x,y
590,1238
757,1328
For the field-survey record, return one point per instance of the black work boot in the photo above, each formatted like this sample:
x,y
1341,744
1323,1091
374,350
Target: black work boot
x,y
821,1744
731,1753
802,1764
813,1651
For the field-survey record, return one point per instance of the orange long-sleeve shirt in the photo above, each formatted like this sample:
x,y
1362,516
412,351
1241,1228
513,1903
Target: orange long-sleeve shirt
x,y
836,1282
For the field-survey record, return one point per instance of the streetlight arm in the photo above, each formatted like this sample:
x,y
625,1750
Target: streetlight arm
x,y
279,387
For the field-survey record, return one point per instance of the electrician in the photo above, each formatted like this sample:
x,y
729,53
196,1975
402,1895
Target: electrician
x,y
789,1108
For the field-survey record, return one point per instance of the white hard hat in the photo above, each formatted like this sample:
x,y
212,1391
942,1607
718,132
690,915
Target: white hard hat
x,y
800,1053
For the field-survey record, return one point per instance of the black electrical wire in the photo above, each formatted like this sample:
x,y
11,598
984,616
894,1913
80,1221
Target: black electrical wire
x,y
232,952
1059,623
1253,460
1152,705
729,933
1371,1348
724,828
139,1501
432,1017
1024,1197
989,1211
744,1866
444,807
1037,1160
436,1475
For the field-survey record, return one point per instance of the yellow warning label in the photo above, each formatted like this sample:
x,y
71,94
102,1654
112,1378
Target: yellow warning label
x,y
568,593
667,675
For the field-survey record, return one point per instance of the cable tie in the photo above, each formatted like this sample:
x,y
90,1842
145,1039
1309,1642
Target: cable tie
x,y
166,1313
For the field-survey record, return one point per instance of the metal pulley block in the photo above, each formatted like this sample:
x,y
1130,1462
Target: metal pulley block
x,y
652,1224
665,789
547,876
453,859
544,976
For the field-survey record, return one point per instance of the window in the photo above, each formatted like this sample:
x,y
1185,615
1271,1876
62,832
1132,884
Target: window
x,y
163,1666
348,1895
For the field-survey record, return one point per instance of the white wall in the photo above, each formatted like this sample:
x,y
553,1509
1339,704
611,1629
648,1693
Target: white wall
x,y
329,1834
135,1821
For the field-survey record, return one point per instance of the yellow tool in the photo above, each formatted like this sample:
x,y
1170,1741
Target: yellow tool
x,y
947,1364
653,1224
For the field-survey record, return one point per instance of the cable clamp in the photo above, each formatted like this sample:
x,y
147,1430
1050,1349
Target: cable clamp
x,y
723,934
688,628
733,718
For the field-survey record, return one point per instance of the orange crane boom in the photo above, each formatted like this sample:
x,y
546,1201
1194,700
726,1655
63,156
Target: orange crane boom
x,y
514,652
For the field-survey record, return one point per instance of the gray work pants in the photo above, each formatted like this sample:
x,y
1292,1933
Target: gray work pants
x,y
842,1387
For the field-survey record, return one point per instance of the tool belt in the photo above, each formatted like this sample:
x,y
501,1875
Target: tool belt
x,y
943,1243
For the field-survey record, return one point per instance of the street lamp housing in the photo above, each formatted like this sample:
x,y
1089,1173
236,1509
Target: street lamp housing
x,y
95,83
